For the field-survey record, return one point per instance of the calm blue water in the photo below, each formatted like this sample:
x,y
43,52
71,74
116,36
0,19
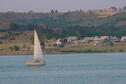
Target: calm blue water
x,y
65,69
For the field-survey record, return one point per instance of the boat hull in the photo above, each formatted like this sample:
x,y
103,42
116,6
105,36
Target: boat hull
x,y
35,63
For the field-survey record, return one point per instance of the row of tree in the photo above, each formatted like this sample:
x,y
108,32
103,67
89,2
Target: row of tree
x,y
48,31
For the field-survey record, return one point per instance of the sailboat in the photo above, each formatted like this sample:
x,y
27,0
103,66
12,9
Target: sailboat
x,y
38,54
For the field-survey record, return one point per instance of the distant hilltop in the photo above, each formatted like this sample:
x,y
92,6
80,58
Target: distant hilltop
x,y
99,12
107,12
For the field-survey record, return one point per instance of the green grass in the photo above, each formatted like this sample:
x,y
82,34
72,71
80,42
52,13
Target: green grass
x,y
84,51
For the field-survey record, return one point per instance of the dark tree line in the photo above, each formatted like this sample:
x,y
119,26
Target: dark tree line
x,y
48,31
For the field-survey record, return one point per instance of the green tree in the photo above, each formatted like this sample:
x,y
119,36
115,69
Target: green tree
x,y
1,42
16,48
11,48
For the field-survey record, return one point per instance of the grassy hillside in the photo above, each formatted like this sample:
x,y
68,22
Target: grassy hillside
x,y
55,25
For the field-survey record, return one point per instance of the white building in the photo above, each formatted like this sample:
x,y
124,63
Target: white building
x,y
123,39
70,39
59,42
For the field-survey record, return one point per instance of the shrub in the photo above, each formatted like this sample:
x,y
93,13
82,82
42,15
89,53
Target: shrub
x,y
121,50
1,42
14,48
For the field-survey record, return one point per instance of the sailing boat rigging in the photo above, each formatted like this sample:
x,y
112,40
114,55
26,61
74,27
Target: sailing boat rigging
x,y
38,54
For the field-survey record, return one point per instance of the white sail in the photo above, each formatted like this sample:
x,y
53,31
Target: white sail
x,y
38,54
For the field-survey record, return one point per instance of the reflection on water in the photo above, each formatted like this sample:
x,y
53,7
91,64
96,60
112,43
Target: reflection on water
x,y
65,69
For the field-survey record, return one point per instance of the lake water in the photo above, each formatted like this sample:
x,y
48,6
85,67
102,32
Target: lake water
x,y
109,68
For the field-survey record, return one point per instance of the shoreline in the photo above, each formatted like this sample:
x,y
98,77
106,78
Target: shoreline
x,y
19,53
75,49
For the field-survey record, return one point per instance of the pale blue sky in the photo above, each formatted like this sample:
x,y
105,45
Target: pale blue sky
x,y
61,5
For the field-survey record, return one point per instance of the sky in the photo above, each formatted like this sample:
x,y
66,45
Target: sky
x,y
60,5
